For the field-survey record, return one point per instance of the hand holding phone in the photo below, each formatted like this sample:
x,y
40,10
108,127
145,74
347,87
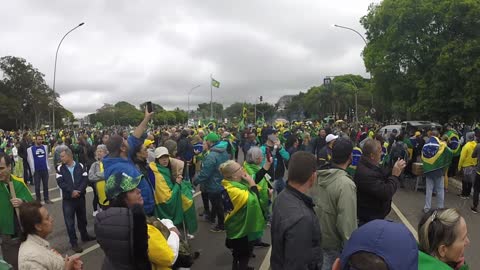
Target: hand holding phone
x,y
149,106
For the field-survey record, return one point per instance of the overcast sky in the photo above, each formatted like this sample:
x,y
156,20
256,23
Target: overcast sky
x,y
158,50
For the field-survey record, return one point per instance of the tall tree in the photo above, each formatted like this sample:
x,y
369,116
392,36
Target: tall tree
x,y
425,57
25,96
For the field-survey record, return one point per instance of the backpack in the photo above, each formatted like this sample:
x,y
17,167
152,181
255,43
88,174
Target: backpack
x,y
398,151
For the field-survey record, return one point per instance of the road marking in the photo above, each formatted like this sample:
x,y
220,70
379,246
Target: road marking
x,y
266,261
405,221
88,250
196,194
55,188
50,189
89,189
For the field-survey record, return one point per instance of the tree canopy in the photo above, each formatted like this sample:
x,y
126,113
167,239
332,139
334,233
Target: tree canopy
x,y
425,57
336,99
25,98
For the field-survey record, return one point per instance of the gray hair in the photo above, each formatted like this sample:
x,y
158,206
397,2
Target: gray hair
x,y
253,154
102,147
67,151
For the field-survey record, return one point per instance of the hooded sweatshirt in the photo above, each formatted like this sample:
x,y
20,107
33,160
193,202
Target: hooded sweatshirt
x,y
210,176
335,197
115,165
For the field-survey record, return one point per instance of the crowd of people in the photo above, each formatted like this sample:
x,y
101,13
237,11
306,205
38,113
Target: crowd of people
x,y
324,189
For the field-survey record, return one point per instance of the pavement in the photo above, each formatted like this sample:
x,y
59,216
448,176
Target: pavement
x,y
407,208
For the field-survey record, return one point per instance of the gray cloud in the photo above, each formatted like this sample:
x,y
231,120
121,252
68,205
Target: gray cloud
x,y
158,50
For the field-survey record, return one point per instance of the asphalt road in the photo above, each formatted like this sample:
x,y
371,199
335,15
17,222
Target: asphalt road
x,y
408,206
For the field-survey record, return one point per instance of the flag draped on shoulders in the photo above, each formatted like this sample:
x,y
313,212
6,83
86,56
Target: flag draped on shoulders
x,y
188,206
168,202
245,218
454,142
6,208
172,200
435,155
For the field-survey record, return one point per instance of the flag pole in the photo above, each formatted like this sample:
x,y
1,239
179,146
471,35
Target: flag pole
x,y
211,97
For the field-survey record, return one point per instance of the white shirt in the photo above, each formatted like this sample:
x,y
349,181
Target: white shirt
x,y
35,254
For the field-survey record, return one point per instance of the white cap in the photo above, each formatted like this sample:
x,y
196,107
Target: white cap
x,y
331,137
161,151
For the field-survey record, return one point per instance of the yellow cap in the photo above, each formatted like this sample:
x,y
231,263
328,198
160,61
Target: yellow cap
x,y
147,143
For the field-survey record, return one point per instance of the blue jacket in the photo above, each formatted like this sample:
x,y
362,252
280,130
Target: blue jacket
x,y
67,184
122,165
210,177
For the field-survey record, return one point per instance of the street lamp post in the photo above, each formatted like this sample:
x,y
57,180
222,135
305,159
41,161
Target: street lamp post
x,y
55,73
188,106
364,40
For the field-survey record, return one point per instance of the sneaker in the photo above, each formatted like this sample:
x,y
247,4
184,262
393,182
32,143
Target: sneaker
x,y
48,202
464,197
190,236
474,210
77,249
217,229
95,213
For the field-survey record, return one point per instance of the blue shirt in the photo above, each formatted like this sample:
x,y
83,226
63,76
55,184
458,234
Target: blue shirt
x,y
70,169
39,158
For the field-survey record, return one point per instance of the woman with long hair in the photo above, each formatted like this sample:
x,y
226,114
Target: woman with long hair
x,y
443,237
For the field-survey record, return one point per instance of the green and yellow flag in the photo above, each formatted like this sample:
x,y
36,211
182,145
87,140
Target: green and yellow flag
x,y
244,112
246,218
436,155
6,208
188,206
173,201
454,143
215,83
168,200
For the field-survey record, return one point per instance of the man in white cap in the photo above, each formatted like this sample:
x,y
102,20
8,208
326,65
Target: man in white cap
x,y
325,155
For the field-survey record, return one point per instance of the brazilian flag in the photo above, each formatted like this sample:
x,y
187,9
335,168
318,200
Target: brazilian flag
x,y
172,200
244,214
215,83
188,206
6,208
356,155
436,155
454,142
409,144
